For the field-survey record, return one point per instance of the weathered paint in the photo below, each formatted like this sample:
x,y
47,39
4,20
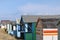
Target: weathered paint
x,y
51,34
32,36
34,31
28,36
26,27
18,32
39,30
9,28
59,32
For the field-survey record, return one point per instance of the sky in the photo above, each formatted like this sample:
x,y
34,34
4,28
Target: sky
x,y
13,9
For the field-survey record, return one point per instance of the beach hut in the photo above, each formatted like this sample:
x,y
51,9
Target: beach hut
x,y
6,24
47,28
13,28
28,24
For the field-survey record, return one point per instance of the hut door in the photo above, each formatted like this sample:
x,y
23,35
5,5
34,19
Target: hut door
x,y
28,31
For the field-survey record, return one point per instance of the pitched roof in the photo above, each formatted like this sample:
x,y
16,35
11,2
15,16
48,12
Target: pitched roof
x,y
8,22
33,18
5,21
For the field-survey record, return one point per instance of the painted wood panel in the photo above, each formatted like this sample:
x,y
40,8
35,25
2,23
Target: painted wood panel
x,y
51,34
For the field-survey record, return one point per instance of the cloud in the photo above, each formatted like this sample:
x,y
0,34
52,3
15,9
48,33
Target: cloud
x,y
37,9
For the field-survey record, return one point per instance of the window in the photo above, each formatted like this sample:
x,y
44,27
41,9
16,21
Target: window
x,y
28,27
18,28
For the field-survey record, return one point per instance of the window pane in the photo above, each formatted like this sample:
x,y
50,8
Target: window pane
x,y
26,27
29,27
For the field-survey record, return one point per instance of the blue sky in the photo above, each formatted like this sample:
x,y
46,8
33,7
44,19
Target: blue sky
x,y
12,9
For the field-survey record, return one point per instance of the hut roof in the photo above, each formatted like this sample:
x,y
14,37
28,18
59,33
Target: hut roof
x,y
33,18
5,21
8,22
